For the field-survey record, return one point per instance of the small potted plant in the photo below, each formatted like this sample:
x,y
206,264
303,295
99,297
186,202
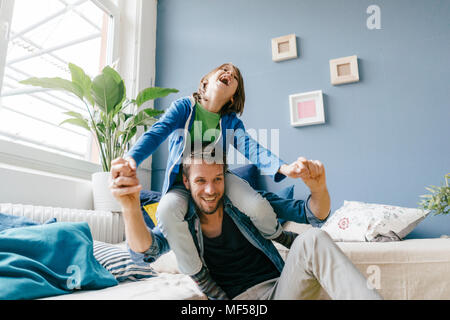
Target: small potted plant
x,y
439,199
112,126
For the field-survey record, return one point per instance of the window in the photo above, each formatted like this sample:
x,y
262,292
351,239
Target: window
x,y
39,39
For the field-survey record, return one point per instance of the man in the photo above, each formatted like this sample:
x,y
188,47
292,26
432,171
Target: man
x,y
242,263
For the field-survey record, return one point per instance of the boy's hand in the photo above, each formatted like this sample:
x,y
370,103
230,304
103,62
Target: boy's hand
x,y
312,172
290,170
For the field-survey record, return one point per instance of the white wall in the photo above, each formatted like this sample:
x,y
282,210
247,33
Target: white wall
x,y
27,186
19,185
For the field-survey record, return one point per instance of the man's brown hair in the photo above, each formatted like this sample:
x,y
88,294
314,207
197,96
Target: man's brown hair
x,y
207,154
237,104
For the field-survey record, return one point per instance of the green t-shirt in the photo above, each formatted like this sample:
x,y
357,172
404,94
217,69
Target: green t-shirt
x,y
204,128
204,121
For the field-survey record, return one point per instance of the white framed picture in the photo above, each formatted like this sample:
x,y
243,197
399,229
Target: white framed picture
x,y
284,48
306,108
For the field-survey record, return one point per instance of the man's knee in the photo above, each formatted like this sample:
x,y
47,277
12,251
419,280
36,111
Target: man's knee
x,y
318,233
314,235
171,208
257,207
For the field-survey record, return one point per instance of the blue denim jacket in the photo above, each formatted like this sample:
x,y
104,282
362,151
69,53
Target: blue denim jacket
x,y
176,124
287,209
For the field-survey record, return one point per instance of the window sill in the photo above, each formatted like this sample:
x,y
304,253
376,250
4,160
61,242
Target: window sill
x,y
32,158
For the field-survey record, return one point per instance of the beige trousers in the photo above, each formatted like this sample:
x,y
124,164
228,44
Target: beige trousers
x,y
314,261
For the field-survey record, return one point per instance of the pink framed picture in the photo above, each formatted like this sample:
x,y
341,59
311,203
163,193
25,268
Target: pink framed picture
x,y
306,108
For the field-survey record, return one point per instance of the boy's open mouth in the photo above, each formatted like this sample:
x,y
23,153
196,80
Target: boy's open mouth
x,y
225,79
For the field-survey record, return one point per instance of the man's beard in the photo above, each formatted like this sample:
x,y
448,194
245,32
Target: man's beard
x,y
206,211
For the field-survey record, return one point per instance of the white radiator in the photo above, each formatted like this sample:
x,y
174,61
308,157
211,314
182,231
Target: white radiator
x,y
105,226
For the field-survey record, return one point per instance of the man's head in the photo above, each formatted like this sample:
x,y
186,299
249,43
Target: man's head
x,y
204,177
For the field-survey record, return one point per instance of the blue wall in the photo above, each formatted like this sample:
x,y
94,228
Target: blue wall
x,y
385,138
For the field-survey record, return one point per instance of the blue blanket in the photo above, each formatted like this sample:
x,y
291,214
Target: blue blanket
x,y
9,221
50,259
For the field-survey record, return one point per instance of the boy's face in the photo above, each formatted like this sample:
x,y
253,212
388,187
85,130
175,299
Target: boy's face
x,y
223,81
206,183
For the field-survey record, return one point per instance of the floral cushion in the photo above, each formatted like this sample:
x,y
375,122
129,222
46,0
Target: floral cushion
x,y
359,221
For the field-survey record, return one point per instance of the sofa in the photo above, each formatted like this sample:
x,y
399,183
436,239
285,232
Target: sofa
x,y
413,269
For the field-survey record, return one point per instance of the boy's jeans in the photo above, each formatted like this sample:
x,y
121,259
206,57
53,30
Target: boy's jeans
x,y
314,261
173,207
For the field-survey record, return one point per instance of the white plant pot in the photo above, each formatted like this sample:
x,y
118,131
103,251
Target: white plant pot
x,y
103,198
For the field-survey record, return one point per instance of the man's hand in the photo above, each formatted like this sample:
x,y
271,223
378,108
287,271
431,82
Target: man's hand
x,y
313,175
312,172
123,167
125,188
124,184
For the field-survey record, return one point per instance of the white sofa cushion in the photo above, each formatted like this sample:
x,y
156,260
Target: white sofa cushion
x,y
359,221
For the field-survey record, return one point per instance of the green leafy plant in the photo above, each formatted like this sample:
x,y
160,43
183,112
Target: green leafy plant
x,y
439,199
106,102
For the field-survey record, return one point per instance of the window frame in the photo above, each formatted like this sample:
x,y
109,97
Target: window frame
x,y
6,11
16,154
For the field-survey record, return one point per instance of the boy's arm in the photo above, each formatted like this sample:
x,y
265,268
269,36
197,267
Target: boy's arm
x,y
172,119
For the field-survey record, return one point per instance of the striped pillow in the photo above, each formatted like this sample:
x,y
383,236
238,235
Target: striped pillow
x,y
118,262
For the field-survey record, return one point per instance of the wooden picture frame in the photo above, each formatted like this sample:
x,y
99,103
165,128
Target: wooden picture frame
x,y
284,48
306,108
344,70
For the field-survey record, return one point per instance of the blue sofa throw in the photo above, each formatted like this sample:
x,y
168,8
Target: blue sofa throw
x,y
50,259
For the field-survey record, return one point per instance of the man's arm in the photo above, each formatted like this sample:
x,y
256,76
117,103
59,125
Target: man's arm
x,y
313,175
137,235
320,203
126,190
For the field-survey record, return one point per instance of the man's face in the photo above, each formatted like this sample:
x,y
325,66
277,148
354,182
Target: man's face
x,y
206,183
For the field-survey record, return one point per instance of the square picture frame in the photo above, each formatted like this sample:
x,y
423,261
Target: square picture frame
x,y
284,48
344,70
306,108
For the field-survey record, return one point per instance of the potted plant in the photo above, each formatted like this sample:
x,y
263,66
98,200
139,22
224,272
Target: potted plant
x,y
439,199
112,125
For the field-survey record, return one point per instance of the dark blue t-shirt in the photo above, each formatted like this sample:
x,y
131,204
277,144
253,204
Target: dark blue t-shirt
x,y
234,263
